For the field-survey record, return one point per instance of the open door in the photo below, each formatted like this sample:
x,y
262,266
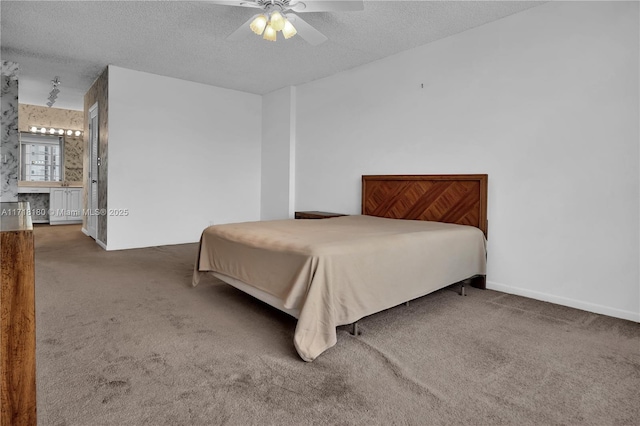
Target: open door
x,y
92,190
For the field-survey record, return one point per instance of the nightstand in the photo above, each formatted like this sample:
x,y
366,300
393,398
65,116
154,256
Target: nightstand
x,y
317,215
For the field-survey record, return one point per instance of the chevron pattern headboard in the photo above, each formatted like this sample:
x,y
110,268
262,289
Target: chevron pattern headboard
x,y
460,199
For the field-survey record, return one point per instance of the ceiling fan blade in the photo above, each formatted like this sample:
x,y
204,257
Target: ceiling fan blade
x,y
241,3
326,5
243,31
306,31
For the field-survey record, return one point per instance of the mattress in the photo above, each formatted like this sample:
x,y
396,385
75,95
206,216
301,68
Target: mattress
x,y
336,271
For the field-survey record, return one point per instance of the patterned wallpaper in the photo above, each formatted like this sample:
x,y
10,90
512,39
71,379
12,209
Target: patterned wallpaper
x,y
9,151
98,92
34,115
49,117
73,153
39,203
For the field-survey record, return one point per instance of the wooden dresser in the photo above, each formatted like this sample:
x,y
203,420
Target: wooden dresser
x,y
17,321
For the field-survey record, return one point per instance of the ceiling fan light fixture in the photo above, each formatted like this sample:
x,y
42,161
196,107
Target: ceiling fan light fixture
x,y
289,30
258,24
277,21
270,33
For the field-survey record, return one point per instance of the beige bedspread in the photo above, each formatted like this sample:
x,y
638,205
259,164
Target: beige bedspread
x,y
338,270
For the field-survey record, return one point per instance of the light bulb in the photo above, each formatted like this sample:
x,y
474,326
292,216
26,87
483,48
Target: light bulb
x,y
43,130
69,132
289,30
34,129
52,130
60,132
269,33
258,24
277,21
78,132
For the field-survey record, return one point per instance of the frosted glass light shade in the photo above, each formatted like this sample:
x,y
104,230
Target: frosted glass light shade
x,y
258,24
270,33
289,30
277,21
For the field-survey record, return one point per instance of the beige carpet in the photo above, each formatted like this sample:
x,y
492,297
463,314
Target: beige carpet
x,y
124,339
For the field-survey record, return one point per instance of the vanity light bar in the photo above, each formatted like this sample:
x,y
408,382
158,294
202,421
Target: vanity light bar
x,y
52,131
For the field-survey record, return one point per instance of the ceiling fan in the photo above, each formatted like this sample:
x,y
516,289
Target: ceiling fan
x,y
277,15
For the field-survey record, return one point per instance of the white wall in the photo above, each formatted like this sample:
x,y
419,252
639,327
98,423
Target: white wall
x,y
278,154
181,156
545,102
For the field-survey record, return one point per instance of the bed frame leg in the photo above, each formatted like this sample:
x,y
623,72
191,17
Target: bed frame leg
x,y
354,329
462,289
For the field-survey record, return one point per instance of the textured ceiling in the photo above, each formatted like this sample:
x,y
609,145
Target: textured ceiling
x,y
77,39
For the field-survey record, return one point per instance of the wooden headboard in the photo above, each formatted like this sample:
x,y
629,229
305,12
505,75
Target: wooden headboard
x,y
460,199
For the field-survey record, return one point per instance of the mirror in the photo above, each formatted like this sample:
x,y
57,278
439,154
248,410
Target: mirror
x,y
41,157
51,158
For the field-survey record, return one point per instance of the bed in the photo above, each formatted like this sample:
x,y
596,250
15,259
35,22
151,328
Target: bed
x,y
416,234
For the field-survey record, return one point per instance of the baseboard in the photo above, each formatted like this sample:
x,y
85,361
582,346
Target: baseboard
x,y
101,244
564,301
